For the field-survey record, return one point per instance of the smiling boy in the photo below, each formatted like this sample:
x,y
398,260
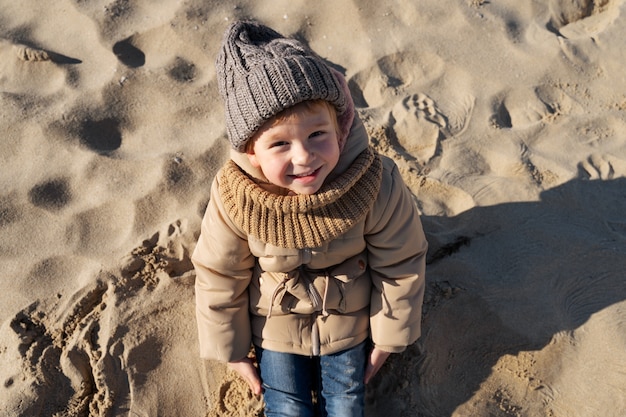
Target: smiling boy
x,y
298,148
311,247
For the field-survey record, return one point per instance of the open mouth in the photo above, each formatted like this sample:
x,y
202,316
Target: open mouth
x,y
306,175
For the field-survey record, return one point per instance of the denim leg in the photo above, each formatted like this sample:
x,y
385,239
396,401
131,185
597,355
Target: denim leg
x,y
288,381
342,385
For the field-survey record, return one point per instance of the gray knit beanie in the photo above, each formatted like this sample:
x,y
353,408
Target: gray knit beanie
x,y
260,73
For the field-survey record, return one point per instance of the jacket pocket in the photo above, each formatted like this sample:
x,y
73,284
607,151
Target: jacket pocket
x,y
352,281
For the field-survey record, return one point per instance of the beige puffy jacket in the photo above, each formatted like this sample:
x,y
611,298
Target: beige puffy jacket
x,y
314,301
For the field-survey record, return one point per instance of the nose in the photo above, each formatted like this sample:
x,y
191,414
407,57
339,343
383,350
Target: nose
x,y
301,153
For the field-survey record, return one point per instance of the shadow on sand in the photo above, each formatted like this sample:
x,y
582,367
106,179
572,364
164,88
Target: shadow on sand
x,y
504,280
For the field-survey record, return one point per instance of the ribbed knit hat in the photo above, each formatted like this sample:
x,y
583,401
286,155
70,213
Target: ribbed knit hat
x,y
260,73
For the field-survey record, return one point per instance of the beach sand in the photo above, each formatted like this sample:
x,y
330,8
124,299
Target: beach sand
x,y
507,120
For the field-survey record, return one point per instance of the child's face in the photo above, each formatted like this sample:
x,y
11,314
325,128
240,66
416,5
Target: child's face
x,y
297,152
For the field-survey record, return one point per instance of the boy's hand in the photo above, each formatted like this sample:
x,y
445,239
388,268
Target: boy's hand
x,y
246,369
375,361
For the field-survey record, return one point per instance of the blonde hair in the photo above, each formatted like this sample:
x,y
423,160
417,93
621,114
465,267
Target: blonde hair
x,y
309,106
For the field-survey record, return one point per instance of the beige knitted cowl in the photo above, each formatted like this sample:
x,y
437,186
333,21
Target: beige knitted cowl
x,y
302,221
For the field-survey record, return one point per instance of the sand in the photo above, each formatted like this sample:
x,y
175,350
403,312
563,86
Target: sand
x,y
508,122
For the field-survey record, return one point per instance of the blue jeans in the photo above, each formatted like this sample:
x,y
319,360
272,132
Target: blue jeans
x,y
291,382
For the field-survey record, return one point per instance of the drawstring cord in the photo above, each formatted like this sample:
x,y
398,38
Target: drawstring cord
x,y
275,293
326,281
317,301
315,332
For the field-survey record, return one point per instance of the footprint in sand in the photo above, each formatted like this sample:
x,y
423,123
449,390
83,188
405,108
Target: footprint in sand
x,y
101,135
580,19
29,68
182,70
417,126
526,107
129,54
26,53
596,167
52,195
33,54
99,129
392,74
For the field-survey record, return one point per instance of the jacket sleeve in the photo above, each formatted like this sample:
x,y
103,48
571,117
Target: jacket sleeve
x,y
397,258
223,265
